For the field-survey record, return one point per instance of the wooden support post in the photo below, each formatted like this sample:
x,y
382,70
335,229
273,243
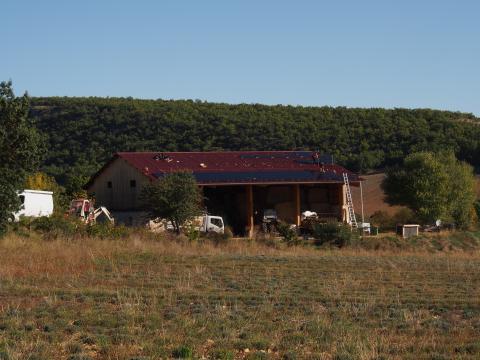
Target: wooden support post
x,y
250,223
342,199
297,204
202,197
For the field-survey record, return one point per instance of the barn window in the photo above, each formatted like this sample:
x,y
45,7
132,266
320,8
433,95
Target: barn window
x,y
109,184
133,183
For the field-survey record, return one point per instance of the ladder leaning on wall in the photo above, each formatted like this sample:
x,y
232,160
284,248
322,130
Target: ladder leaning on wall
x,y
351,212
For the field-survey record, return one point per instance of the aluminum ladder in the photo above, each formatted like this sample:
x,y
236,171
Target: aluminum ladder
x,y
351,212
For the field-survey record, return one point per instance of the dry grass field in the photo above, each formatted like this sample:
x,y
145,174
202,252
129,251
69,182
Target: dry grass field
x,y
145,299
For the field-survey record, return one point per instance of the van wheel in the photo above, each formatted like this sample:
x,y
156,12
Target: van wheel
x,y
11,218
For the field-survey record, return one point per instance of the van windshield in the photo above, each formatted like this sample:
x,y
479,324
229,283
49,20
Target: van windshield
x,y
217,222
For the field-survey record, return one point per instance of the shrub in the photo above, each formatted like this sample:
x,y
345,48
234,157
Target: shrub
x,y
224,355
474,218
269,241
107,231
257,356
288,233
191,233
4,355
289,355
183,352
229,233
332,233
74,348
55,226
217,238
79,357
21,227
383,220
404,216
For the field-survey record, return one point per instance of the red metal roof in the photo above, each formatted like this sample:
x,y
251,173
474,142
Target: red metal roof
x,y
241,167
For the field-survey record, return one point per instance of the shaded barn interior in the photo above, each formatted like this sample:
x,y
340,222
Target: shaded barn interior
x,y
231,202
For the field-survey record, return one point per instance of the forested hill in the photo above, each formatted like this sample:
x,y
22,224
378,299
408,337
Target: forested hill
x,y
84,132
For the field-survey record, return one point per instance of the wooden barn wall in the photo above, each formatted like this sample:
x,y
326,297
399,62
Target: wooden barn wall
x,y
121,196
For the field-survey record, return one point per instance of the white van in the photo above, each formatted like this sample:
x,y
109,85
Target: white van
x,y
208,223
205,223
35,203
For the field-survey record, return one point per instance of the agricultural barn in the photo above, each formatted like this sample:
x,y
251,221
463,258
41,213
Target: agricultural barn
x,y
238,185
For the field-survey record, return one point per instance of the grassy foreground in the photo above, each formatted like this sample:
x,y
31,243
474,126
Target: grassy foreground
x,y
143,299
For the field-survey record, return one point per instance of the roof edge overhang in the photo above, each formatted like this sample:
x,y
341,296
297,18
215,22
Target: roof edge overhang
x,y
353,183
97,174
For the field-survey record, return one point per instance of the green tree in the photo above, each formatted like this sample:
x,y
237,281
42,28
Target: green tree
x,y
176,197
42,181
462,186
434,186
74,184
20,149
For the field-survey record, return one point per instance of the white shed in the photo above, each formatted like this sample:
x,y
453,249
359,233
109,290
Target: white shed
x,y
35,203
408,230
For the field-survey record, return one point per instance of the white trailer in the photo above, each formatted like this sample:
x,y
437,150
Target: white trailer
x,y
35,203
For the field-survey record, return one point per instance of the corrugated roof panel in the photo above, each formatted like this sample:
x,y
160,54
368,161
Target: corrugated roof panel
x,y
240,166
